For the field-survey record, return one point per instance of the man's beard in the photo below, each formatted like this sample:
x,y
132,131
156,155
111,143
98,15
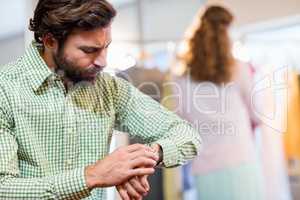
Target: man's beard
x,y
69,70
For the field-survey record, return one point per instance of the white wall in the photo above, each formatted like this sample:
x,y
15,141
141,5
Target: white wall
x,y
255,11
12,17
161,20
11,48
168,19
125,25
29,11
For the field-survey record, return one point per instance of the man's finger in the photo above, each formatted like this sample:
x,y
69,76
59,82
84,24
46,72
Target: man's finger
x,y
143,153
123,193
131,191
136,147
144,182
142,162
141,172
138,186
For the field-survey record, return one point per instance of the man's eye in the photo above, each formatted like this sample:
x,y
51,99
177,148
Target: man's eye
x,y
89,51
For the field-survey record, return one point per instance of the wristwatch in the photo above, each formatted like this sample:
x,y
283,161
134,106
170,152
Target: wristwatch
x,y
160,156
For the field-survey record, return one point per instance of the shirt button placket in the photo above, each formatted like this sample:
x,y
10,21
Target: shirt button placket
x,y
69,134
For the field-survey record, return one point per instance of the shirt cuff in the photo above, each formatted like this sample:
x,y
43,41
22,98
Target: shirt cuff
x,y
171,155
72,185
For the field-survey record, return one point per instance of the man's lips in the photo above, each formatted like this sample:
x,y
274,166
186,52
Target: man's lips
x,y
94,73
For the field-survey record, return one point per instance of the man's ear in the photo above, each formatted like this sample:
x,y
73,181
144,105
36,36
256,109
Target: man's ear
x,y
50,42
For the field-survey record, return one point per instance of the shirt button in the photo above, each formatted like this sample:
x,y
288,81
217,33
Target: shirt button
x,y
68,163
71,130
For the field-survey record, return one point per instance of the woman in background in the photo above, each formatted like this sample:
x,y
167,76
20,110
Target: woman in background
x,y
215,96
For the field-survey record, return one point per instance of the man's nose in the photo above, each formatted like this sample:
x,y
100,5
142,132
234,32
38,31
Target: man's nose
x,y
100,60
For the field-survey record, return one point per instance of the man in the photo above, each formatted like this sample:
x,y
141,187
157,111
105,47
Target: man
x,y
58,111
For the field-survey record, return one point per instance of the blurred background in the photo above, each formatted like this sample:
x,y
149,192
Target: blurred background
x,y
148,34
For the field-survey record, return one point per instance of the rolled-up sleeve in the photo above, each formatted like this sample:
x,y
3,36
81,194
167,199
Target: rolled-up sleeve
x,y
142,117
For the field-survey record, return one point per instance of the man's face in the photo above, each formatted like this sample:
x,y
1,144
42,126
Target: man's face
x,y
83,54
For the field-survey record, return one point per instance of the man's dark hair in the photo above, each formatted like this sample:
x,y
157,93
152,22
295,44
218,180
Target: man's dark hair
x,y
61,17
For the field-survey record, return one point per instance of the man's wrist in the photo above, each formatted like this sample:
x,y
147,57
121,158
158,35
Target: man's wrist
x,y
90,178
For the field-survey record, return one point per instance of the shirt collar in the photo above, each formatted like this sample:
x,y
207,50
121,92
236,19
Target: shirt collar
x,y
37,69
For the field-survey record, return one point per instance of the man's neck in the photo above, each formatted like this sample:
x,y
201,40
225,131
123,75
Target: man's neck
x,y
48,58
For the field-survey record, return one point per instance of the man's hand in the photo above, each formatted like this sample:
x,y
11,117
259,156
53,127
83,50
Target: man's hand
x,y
120,166
137,187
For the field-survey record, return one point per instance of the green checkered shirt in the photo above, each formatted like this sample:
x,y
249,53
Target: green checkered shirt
x,y
49,135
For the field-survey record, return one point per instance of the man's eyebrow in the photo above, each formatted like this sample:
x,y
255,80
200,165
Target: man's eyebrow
x,y
90,47
95,46
108,43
